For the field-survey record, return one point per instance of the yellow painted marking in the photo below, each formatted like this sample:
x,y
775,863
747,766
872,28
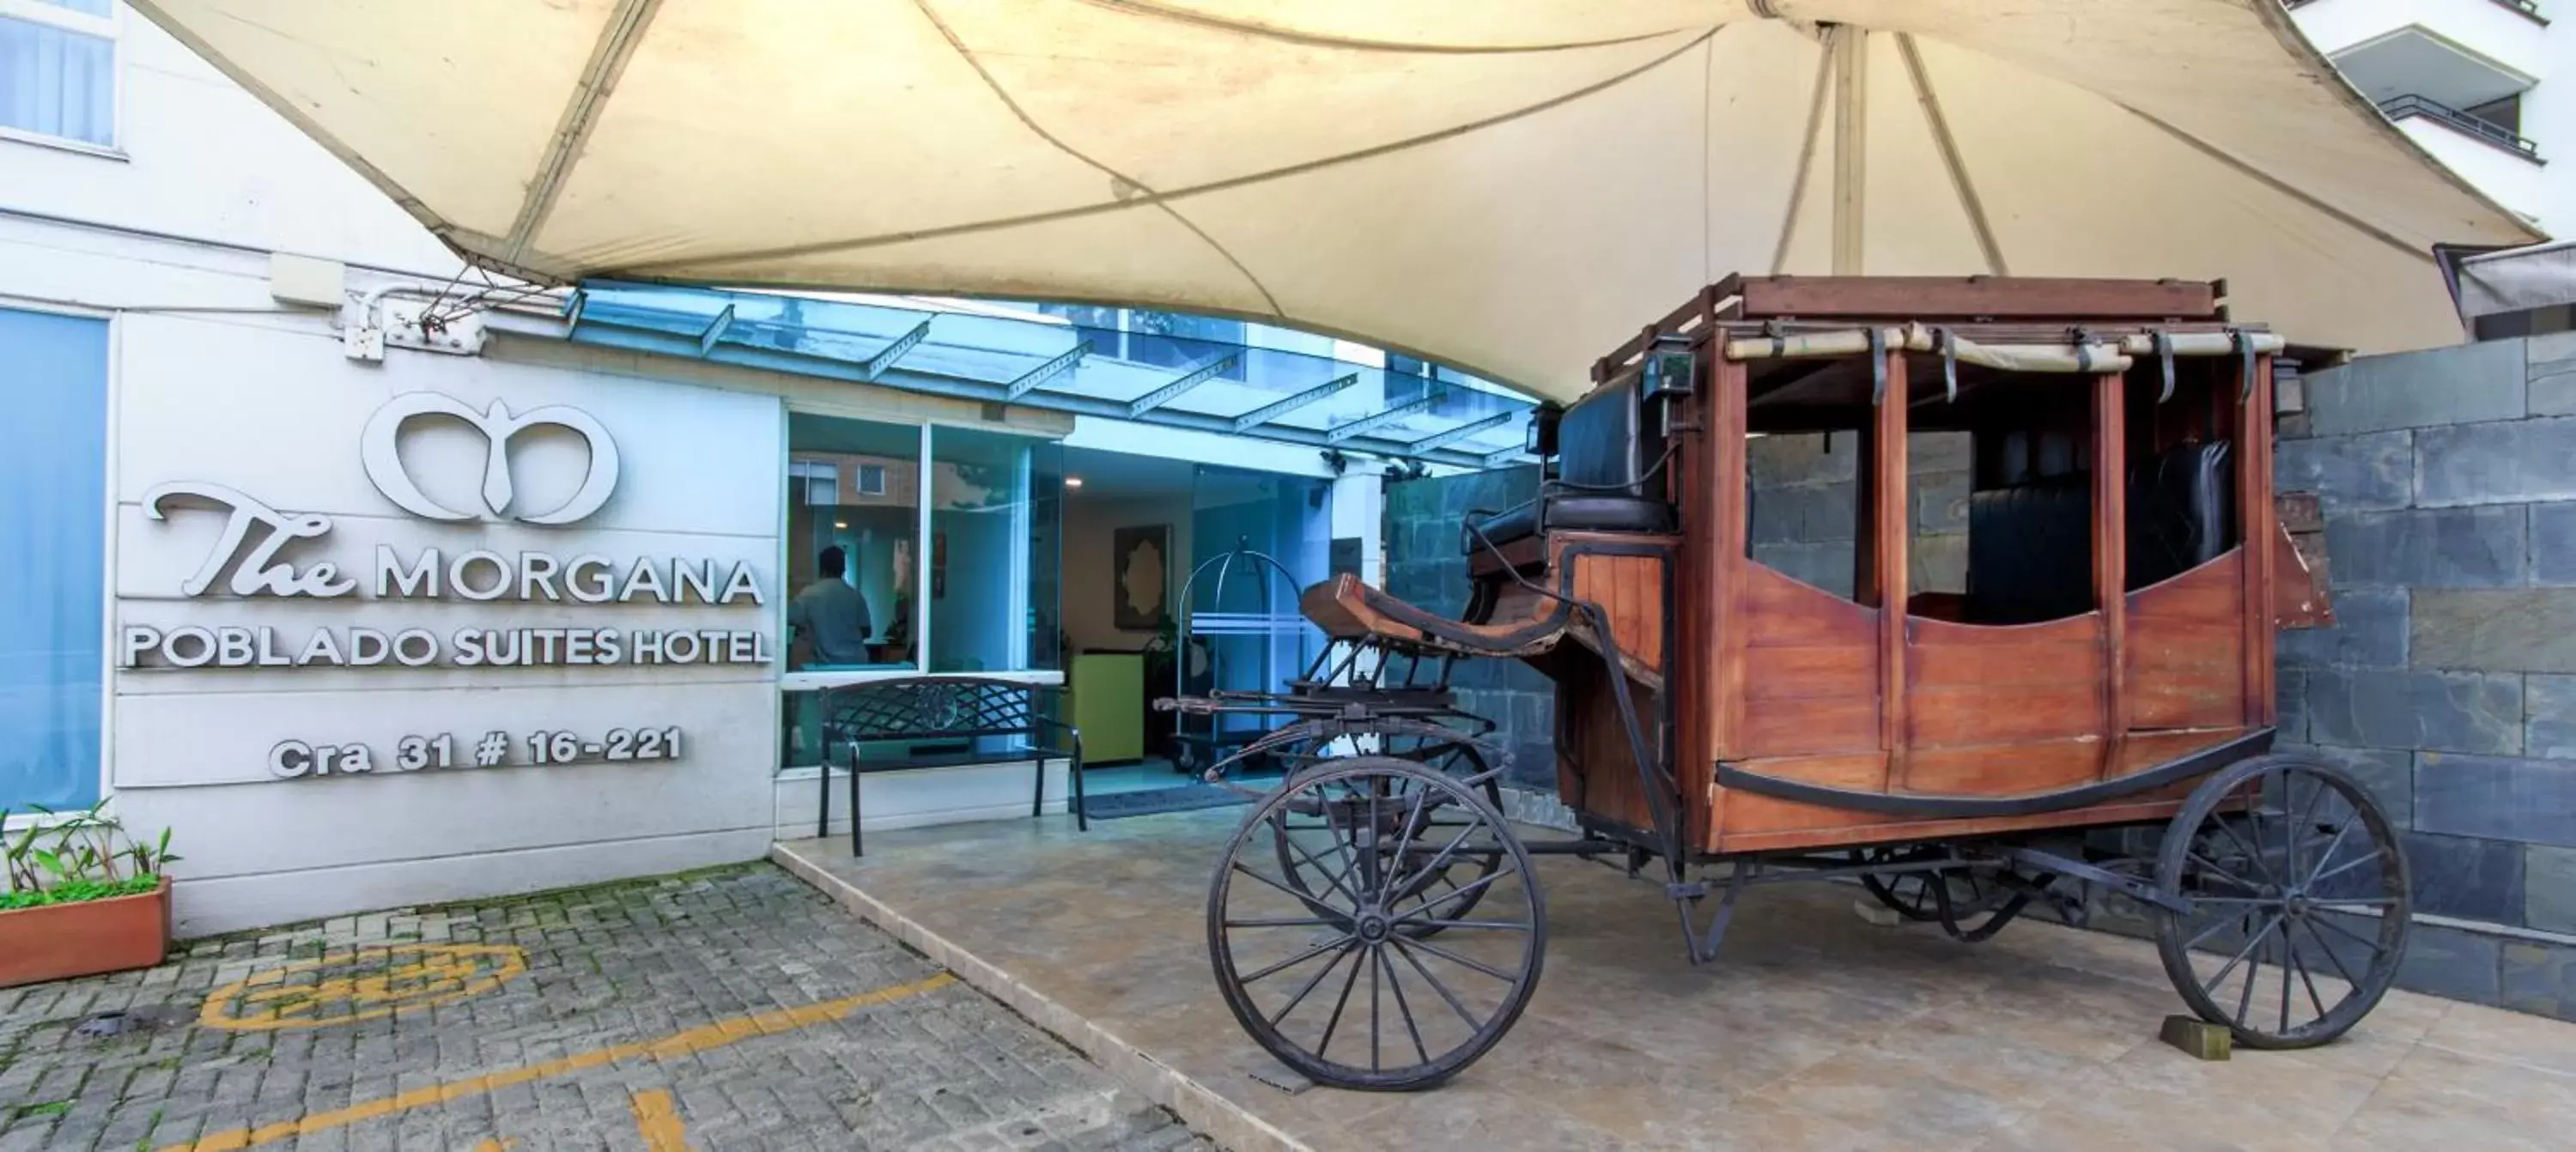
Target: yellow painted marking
x,y
361,984
699,1039
496,1146
658,1121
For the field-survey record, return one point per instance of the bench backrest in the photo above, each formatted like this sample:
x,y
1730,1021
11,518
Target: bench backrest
x,y
928,707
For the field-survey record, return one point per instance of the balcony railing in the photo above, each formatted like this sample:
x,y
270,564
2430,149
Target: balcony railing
x,y
2484,131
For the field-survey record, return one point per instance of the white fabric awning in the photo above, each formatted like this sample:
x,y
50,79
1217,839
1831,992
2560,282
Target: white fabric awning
x,y
1510,186
2516,279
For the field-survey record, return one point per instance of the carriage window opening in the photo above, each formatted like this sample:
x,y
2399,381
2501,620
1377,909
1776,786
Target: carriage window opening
x,y
1806,508
2182,469
2028,508
1804,513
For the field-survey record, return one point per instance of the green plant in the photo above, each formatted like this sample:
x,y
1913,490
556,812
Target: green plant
x,y
83,855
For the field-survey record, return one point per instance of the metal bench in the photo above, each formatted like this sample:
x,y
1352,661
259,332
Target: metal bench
x,y
922,709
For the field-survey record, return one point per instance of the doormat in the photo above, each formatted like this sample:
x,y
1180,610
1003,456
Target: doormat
x,y
1154,801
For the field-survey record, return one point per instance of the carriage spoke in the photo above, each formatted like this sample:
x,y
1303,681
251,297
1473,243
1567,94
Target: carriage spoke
x,y
2213,867
1301,897
1493,925
1462,961
1374,1030
2289,957
1442,859
1404,948
1300,958
1325,1046
2251,852
1336,879
2339,870
1460,893
2327,856
1290,922
2250,945
2319,1002
2375,946
1402,1009
2331,958
2220,925
1310,984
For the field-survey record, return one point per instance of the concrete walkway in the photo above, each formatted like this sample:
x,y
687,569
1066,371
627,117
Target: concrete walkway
x,y
1815,1030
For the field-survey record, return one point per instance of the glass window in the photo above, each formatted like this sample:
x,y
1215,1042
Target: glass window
x,y
58,69
53,543
993,552
853,518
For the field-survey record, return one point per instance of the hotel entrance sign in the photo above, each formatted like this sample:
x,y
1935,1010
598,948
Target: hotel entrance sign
x,y
254,558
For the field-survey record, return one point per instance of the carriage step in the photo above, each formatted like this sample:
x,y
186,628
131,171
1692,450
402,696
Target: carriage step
x,y
2199,1038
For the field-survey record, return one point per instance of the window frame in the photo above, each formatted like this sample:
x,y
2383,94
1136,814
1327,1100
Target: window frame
x,y
110,28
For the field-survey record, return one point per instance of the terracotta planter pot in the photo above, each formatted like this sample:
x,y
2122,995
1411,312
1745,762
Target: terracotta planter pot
x,y
60,941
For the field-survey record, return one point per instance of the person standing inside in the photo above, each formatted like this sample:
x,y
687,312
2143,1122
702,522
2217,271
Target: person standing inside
x,y
830,615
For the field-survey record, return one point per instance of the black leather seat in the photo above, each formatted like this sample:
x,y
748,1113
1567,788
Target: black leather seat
x,y
2030,551
2182,511
1606,447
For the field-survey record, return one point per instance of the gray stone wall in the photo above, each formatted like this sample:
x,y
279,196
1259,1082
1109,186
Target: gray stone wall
x,y
1805,521
1426,565
2448,482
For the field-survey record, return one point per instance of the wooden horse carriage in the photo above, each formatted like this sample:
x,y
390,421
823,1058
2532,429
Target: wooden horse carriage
x,y
2088,714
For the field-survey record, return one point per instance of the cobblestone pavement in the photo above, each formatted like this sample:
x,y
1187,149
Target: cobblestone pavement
x,y
727,1009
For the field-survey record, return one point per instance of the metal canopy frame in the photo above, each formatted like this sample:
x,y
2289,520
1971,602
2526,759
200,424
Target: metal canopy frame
x,y
994,358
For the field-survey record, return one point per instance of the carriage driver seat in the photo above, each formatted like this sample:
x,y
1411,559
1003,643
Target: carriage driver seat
x,y
1607,444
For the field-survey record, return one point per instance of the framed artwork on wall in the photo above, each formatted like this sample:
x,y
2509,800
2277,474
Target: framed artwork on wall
x,y
1140,569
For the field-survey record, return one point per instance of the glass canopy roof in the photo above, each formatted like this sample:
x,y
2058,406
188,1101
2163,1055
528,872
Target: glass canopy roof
x,y
1154,368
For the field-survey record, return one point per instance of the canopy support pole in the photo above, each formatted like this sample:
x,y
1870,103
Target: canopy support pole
x,y
1851,145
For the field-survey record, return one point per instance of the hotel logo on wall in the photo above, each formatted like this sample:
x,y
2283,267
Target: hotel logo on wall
x,y
251,560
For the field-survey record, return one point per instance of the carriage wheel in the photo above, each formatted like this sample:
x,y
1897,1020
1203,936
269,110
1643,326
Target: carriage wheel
x,y
1458,880
1917,896
2300,901
1337,981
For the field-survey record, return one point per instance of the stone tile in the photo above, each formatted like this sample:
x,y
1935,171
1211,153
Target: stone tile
x,y
1801,458
2448,962
2441,1098
1933,452
2538,978
2553,543
2254,1101
2549,888
2350,473
1941,502
1826,566
2464,877
2549,716
2388,773
2429,547
1803,514
2511,462
2517,1038
2496,797
2369,631
2502,629
2290,704
2450,711
2552,375
1938,563
2454,385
